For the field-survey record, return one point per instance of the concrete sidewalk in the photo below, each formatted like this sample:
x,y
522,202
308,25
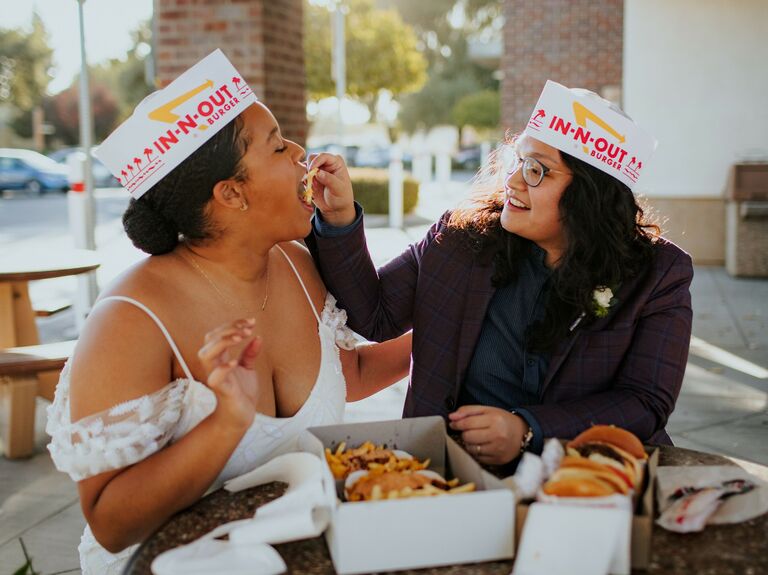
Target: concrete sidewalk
x,y
723,406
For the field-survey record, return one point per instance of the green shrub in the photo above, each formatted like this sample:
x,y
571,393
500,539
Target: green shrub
x,y
371,187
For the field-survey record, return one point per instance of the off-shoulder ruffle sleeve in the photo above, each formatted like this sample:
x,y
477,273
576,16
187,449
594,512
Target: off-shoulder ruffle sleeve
x,y
115,438
336,320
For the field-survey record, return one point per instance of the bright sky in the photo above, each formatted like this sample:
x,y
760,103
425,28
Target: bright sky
x,y
108,27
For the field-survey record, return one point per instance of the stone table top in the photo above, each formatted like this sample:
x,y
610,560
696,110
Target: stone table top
x,y
719,549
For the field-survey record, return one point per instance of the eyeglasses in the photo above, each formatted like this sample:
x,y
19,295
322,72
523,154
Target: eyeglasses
x,y
533,170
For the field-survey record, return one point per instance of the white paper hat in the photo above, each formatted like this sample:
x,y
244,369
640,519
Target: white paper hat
x,y
590,128
170,124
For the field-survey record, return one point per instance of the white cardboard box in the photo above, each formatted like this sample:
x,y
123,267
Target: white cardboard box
x,y
410,533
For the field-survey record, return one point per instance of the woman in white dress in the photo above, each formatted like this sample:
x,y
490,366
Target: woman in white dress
x,y
210,357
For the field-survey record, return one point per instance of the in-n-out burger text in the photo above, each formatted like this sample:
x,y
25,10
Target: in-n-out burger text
x,y
209,111
611,154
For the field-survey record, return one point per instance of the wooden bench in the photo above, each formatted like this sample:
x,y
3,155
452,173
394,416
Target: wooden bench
x,y
25,373
51,307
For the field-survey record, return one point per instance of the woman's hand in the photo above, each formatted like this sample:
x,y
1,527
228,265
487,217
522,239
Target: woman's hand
x,y
332,189
231,375
490,434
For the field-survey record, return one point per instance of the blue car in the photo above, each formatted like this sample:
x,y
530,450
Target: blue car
x,y
28,170
102,177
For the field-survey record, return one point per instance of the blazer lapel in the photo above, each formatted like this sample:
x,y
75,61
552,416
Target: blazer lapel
x,y
558,357
564,348
478,296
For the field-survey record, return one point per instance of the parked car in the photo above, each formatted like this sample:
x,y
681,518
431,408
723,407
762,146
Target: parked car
x,y
467,158
372,158
349,152
102,177
27,170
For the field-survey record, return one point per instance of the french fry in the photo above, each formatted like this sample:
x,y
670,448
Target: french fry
x,y
466,488
368,456
307,194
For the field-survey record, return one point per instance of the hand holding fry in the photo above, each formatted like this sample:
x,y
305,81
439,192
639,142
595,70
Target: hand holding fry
x,y
332,189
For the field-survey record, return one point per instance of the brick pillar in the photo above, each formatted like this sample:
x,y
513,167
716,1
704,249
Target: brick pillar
x,y
578,43
285,90
262,38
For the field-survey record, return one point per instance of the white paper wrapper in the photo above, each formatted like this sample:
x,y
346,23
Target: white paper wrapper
x,y
534,470
209,555
708,509
302,512
551,456
617,501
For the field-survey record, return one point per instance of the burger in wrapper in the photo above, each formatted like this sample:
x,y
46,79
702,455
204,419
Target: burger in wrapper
x,y
378,485
602,461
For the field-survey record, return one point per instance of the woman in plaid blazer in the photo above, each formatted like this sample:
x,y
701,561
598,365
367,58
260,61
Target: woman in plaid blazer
x,y
537,310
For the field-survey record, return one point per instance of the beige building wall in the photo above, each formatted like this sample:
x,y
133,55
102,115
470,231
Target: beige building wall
x,y
695,75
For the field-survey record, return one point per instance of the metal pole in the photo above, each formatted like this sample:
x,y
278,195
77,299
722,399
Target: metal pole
x,y
395,187
340,69
88,288
86,140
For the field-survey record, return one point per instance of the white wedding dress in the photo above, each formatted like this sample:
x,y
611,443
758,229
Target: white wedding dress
x,y
131,431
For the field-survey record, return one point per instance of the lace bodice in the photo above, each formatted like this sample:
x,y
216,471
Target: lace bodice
x,y
133,430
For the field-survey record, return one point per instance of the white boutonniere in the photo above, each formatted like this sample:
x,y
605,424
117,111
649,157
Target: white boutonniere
x,y
602,300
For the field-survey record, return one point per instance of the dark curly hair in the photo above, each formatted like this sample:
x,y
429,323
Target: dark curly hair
x,y
175,207
609,239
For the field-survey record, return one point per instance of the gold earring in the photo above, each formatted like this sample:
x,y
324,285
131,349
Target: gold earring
x,y
243,206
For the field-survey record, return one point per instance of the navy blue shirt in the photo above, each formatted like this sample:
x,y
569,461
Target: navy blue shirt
x,y
502,372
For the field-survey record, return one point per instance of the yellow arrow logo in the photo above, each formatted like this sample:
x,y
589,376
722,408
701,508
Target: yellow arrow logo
x,y
582,114
165,112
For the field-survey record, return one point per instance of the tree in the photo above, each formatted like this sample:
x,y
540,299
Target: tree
x,y
25,60
31,58
116,87
436,20
481,110
381,52
62,111
127,78
444,27
434,104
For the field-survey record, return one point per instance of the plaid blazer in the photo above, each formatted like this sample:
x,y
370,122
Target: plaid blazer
x,y
625,369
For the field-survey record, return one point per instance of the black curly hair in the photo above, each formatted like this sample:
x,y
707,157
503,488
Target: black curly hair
x,y
609,239
174,209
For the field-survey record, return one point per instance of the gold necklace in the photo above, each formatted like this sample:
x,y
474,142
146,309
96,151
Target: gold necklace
x,y
221,295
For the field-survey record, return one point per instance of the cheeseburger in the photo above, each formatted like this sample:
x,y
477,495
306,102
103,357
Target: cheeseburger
x,y
603,460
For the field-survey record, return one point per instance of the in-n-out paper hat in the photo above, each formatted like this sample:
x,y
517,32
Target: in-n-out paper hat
x,y
170,124
590,128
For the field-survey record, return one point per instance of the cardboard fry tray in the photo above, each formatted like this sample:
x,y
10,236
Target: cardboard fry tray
x,y
421,532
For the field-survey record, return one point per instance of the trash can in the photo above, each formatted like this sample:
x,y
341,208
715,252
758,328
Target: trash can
x,y
746,220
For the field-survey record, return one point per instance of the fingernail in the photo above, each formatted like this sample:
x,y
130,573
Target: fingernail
x,y
237,338
251,320
247,331
232,363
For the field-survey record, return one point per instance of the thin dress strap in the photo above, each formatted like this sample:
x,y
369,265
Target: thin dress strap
x,y
159,323
309,299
